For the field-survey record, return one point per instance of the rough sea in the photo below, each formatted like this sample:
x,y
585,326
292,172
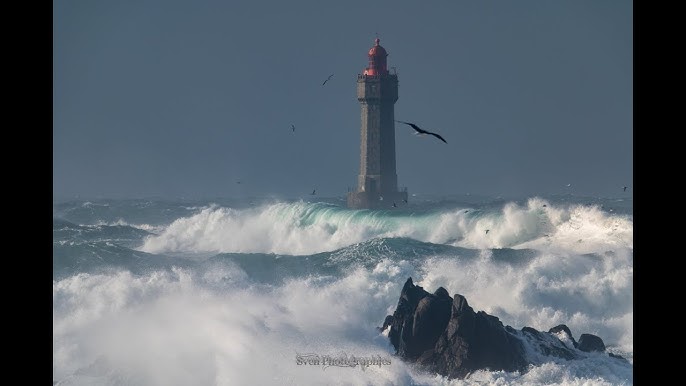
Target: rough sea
x,y
231,292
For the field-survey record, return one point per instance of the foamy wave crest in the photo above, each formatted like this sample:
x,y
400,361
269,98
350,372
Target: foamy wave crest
x,y
304,228
536,225
579,229
214,326
120,222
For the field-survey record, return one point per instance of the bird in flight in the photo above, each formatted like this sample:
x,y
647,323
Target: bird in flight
x,y
422,131
394,205
405,200
293,127
487,231
314,191
625,188
327,79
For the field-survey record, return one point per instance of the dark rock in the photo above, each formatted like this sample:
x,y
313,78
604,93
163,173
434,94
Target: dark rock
x,y
403,317
590,342
387,322
418,320
443,293
446,336
474,341
430,319
566,330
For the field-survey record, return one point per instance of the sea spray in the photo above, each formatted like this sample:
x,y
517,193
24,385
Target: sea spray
x,y
304,228
171,297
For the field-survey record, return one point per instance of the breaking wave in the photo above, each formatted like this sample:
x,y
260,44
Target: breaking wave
x,y
305,228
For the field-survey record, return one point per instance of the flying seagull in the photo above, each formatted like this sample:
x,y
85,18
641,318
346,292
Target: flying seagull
x,y
394,205
487,231
314,191
625,188
568,185
421,131
327,79
292,127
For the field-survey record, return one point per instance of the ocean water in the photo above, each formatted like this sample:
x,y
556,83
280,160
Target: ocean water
x,y
231,292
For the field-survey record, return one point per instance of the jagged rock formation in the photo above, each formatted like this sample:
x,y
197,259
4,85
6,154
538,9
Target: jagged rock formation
x,y
445,335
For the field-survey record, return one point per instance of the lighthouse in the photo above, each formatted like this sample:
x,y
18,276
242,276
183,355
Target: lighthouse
x,y
377,92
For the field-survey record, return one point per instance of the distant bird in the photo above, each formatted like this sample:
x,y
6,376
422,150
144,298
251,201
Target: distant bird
x,y
421,131
625,188
487,231
327,79
238,182
405,200
568,185
544,205
394,205
314,191
380,198
293,128
466,211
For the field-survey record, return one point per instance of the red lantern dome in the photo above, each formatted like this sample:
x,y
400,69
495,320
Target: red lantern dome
x,y
377,60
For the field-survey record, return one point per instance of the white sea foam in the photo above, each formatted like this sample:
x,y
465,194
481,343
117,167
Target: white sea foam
x,y
121,222
217,327
303,228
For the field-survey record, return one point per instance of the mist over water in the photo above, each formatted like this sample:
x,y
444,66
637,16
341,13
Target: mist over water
x,y
176,293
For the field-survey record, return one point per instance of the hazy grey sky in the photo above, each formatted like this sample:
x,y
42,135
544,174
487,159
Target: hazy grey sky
x,y
184,98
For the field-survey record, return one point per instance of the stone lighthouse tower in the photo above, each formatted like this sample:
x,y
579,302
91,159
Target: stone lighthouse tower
x,y
377,92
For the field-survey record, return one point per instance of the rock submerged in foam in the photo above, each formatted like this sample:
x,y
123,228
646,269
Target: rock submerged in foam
x,y
446,336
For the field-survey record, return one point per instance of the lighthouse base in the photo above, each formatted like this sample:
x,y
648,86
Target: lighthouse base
x,y
369,200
